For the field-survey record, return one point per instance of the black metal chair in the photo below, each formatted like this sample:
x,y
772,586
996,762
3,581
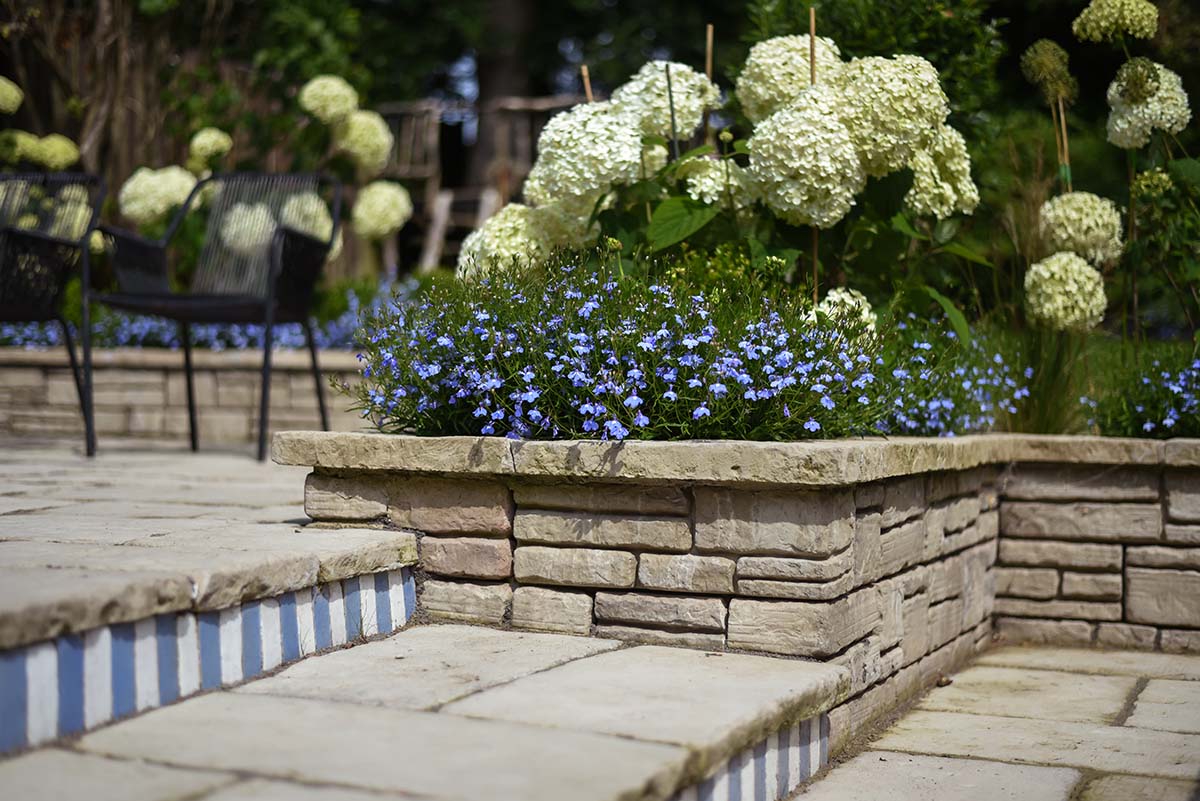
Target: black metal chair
x,y
46,220
260,261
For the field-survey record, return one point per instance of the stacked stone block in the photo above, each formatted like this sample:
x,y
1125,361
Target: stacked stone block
x,y
892,579
1101,554
142,393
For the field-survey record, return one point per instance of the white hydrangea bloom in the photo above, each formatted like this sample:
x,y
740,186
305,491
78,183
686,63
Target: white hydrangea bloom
x,y
583,151
1105,20
892,107
328,98
248,228
718,182
517,234
644,98
367,139
942,183
1065,292
10,96
307,213
54,152
804,162
1130,124
382,208
777,71
70,218
1084,224
848,307
149,195
209,143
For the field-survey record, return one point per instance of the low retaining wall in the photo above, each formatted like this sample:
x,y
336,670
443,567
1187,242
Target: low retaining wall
x,y
142,393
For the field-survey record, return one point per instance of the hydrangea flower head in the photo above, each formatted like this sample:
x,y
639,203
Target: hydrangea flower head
x,y
1082,223
718,182
149,195
207,144
366,138
644,98
329,98
54,152
1065,293
1106,20
583,151
777,71
891,107
517,234
1045,65
942,182
382,209
307,213
804,161
16,146
1131,123
10,96
248,228
848,307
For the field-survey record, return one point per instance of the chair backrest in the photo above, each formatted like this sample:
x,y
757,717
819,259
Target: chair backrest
x,y
245,210
35,270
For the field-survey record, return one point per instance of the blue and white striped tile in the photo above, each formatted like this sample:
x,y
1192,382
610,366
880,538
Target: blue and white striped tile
x,y
80,681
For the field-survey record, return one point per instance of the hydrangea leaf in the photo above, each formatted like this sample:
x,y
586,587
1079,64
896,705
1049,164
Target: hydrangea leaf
x,y
1186,171
964,252
957,320
676,219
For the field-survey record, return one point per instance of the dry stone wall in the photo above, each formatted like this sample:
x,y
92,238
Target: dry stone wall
x,y
1101,554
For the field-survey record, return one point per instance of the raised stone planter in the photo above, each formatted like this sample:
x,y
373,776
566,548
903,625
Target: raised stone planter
x,y
879,555
141,393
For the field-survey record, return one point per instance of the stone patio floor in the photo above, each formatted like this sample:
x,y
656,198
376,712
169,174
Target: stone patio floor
x,y
456,712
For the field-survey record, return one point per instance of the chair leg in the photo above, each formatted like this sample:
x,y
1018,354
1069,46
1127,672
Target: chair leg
x,y
81,387
316,371
185,337
264,408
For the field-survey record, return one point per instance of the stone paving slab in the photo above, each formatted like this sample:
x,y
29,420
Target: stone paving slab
x,y
264,790
427,666
1140,788
1168,705
1115,749
1093,661
913,777
430,755
57,775
715,704
1024,693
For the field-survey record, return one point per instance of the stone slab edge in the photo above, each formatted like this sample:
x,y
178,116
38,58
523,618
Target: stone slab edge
x,y
167,359
723,462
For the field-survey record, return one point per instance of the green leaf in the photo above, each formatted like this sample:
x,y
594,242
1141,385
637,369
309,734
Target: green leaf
x,y
1185,171
945,230
696,152
957,320
740,146
649,140
677,218
964,252
900,223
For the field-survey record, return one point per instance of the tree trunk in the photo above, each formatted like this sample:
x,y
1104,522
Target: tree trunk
x,y
503,72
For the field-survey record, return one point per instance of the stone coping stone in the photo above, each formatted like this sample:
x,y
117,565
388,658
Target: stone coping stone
x,y
713,704
49,587
170,359
423,754
720,462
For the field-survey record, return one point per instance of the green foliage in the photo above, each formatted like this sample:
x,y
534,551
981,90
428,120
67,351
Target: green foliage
x,y
1152,390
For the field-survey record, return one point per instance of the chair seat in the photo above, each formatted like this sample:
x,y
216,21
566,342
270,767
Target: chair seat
x,y
192,308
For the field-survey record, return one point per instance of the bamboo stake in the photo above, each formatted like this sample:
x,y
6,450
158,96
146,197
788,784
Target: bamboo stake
x,y
1058,152
708,71
671,104
812,80
587,82
1062,119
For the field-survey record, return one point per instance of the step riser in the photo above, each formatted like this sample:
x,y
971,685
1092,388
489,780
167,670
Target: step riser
x,y
80,681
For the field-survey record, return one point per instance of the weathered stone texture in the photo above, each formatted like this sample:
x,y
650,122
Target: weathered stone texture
x,y
1081,610
450,506
1183,495
1038,553
1121,522
1162,597
962,512
686,573
1044,632
802,629
1158,556
1092,586
1126,636
903,499
602,498
782,568
949,483
915,640
679,639
945,622
863,661
1107,483
799,590
539,609
867,549
336,498
467,603
1027,582
606,531
672,612
798,523
902,546
467,557
582,567
868,496
1182,534
1176,641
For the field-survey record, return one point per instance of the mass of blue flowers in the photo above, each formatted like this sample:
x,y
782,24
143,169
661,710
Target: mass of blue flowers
x,y
575,352
1163,402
